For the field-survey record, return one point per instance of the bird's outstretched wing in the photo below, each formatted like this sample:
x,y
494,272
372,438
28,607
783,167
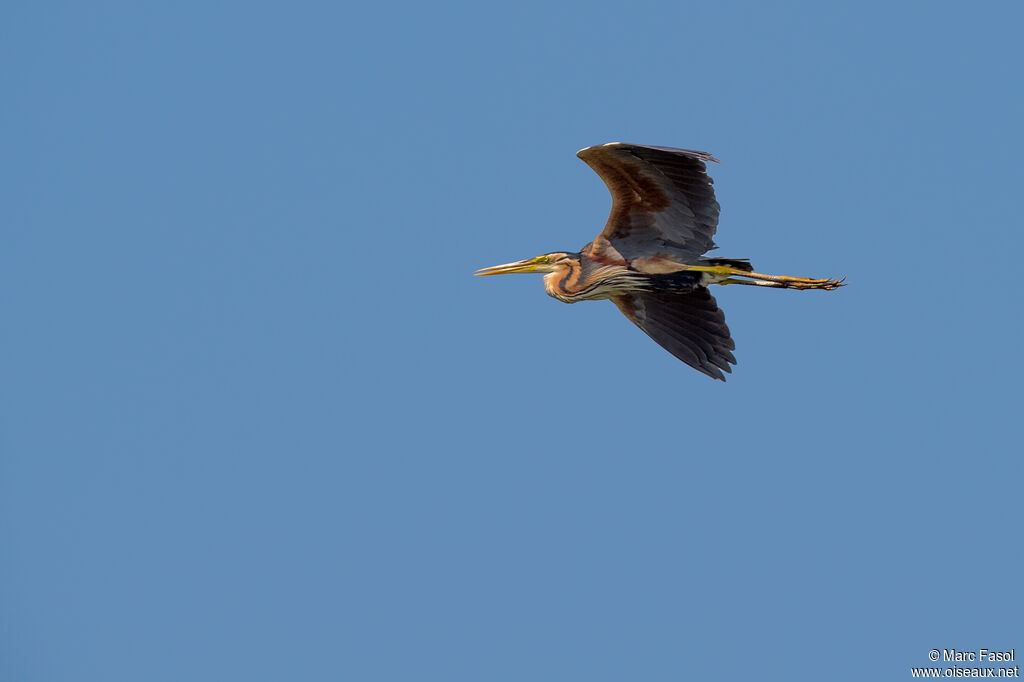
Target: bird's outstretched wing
x,y
689,326
663,202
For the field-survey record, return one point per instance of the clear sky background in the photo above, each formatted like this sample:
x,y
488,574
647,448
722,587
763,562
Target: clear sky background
x,y
259,422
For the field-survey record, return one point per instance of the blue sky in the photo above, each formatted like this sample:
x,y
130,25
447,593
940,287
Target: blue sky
x,y
260,422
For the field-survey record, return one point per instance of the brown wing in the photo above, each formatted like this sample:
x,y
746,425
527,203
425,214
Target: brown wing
x,y
663,202
689,326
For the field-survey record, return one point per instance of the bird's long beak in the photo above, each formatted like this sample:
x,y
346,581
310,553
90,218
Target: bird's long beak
x,y
528,265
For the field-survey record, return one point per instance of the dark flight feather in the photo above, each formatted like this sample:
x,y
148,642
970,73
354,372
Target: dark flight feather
x,y
690,326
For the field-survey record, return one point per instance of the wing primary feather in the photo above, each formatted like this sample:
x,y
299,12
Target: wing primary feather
x,y
690,326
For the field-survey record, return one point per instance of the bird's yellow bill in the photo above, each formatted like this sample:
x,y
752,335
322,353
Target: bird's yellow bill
x,y
528,265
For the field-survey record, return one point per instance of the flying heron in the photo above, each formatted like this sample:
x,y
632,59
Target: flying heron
x,y
649,259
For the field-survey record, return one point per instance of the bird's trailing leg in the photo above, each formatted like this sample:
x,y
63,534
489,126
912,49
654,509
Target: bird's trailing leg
x,y
750,282
783,282
732,275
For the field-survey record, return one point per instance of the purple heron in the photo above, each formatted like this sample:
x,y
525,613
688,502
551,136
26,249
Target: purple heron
x,y
649,259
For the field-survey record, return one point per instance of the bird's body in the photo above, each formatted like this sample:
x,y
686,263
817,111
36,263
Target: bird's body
x,y
649,259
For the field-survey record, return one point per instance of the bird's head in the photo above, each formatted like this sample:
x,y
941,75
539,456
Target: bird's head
x,y
549,262
557,267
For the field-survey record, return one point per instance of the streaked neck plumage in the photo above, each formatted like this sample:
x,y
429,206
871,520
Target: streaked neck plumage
x,y
576,279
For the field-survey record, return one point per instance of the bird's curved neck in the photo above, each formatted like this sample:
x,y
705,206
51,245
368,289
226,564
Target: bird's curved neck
x,y
581,280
